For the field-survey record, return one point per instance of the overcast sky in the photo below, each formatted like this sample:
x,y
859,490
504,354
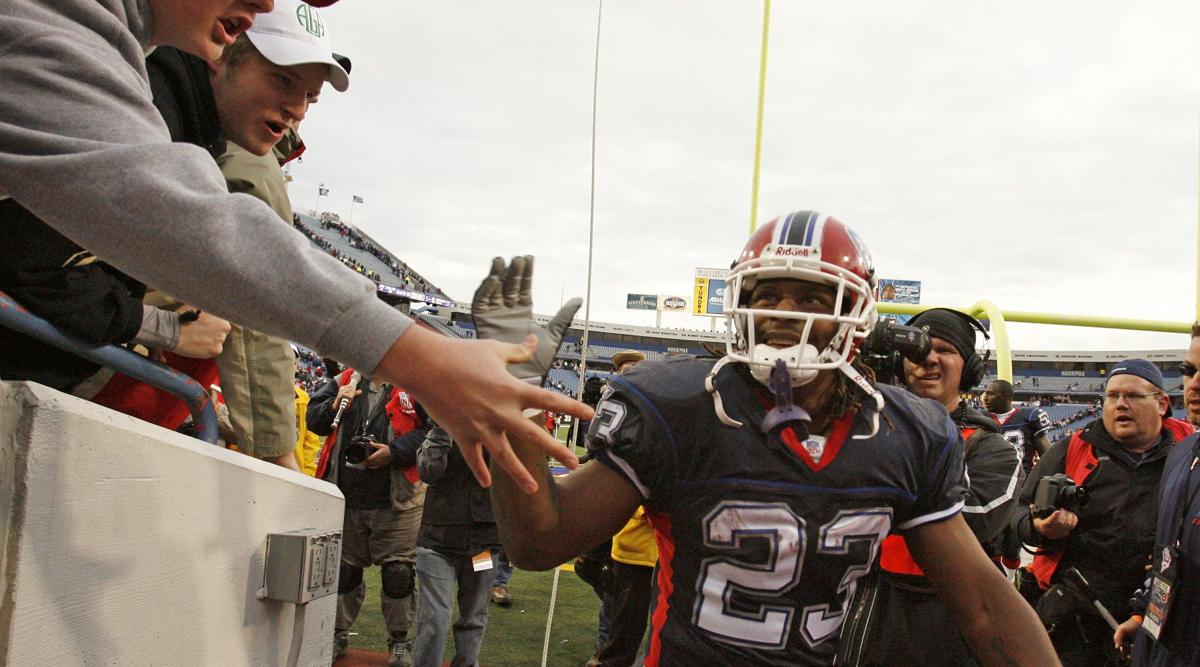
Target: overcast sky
x,y
1040,155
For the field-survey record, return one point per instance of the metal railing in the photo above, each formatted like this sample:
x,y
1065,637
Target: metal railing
x,y
180,385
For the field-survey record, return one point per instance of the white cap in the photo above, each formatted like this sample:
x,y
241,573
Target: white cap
x,y
294,34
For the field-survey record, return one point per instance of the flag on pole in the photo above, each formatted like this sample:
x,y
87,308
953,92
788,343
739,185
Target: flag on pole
x,y
322,190
357,199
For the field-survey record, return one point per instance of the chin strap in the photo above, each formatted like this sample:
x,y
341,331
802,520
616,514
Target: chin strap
x,y
870,391
785,411
717,405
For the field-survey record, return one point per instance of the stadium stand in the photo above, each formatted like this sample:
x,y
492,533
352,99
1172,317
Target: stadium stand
x,y
363,254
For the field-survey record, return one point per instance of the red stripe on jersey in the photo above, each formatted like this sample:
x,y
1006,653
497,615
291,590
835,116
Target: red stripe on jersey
x,y
833,443
666,553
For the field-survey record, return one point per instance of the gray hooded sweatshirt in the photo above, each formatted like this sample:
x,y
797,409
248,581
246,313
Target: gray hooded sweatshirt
x,y
83,148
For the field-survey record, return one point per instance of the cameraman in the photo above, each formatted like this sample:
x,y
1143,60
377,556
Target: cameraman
x,y
899,610
371,455
1118,460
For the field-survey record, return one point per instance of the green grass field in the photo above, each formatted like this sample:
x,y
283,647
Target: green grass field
x,y
514,635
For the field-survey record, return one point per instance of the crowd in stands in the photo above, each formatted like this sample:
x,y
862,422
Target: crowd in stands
x,y
411,279
352,237
310,370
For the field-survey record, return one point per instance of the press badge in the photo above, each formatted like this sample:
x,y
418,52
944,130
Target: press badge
x,y
482,561
1162,578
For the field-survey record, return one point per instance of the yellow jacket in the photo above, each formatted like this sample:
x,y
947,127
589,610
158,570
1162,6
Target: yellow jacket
x,y
634,544
309,444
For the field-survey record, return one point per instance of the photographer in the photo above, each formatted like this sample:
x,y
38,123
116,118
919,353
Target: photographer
x,y
1118,461
371,455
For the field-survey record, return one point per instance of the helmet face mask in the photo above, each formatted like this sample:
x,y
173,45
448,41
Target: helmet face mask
x,y
809,247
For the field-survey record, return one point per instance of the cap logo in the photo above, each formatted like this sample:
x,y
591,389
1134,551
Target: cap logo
x,y
310,20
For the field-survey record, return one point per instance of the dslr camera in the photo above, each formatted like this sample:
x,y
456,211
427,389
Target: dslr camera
x,y
1056,492
357,450
888,345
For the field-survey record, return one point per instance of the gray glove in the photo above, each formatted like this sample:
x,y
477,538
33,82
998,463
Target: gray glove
x,y
503,311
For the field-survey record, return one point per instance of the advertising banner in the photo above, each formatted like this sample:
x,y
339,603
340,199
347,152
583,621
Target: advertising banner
x,y
672,303
708,297
899,291
641,301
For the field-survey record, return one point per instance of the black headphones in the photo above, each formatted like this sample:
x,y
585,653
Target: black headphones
x,y
974,366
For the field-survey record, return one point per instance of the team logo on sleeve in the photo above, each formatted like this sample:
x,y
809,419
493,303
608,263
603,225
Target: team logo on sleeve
x,y
609,415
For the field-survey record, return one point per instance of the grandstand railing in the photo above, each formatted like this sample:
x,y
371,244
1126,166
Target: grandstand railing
x,y
199,403
986,310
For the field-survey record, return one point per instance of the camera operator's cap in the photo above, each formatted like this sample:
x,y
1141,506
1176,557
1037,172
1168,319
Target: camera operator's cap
x,y
950,327
626,356
1141,368
294,34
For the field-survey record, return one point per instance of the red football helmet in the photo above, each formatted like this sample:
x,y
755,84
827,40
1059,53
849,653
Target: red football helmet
x,y
811,247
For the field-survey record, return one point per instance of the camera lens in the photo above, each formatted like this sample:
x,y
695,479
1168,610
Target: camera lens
x,y
357,451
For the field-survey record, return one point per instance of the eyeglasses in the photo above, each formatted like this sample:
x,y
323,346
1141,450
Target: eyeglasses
x,y
1131,396
1186,370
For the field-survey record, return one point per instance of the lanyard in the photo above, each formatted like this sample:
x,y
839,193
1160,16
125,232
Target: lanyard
x,y
376,401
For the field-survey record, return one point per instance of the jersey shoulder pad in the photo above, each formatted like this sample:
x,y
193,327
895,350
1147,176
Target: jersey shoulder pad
x,y
674,378
924,414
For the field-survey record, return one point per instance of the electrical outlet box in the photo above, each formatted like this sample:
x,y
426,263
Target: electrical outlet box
x,y
302,565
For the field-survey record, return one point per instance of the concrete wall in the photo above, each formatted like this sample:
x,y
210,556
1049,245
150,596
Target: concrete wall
x,y
128,544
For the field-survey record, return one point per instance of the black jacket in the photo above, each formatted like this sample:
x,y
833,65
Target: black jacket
x,y
368,489
458,519
995,473
1112,542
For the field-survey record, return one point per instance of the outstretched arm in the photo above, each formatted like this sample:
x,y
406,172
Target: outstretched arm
x,y
564,517
466,388
1000,627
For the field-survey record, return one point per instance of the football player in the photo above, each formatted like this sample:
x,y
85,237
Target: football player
x,y
771,475
1025,428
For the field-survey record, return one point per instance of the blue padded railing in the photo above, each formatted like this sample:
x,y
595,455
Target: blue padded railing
x,y
199,403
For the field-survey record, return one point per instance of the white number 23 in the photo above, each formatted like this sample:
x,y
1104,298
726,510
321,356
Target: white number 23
x,y
722,577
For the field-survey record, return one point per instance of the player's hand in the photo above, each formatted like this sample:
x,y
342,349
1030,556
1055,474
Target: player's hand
x,y
380,458
467,390
1056,526
203,337
1126,632
503,310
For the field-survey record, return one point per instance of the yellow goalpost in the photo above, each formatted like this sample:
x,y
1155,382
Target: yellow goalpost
x,y
986,310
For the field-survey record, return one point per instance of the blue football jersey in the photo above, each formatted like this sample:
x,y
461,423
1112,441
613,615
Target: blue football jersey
x,y
1020,426
761,543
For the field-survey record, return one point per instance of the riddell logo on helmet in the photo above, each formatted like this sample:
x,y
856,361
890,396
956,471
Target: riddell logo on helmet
x,y
773,250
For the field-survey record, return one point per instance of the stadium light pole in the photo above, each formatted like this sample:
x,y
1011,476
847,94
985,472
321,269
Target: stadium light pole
x,y
758,125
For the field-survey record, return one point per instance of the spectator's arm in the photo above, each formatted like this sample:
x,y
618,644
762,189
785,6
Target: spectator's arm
x,y
160,328
101,170
321,409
